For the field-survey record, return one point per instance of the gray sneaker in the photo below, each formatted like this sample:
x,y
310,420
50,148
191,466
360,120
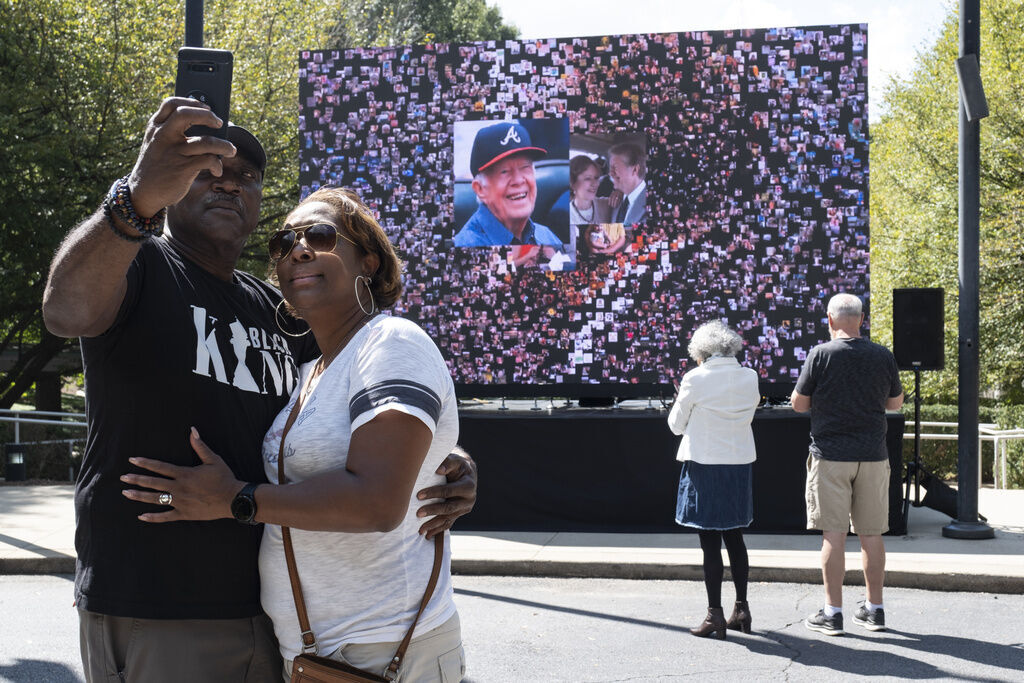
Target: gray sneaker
x,y
830,626
872,621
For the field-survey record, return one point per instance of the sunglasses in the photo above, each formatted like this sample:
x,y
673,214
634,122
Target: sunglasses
x,y
318,236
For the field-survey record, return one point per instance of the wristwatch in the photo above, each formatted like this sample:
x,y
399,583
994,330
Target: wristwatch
x,y
243,507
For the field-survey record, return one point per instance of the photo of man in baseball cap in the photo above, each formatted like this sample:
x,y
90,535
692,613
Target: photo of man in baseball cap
x,y
501,163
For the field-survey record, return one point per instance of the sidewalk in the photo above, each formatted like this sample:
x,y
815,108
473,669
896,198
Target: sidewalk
x,y
37,527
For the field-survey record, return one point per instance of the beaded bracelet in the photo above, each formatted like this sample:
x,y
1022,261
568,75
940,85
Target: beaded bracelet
x,y
117,231
119,203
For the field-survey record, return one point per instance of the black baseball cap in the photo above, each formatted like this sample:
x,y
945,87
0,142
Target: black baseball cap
x,y
248,145
497,142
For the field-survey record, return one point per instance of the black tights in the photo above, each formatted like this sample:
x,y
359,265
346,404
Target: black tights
x,y
711,544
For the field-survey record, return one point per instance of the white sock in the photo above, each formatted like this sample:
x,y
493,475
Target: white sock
x,y
831,611
872,607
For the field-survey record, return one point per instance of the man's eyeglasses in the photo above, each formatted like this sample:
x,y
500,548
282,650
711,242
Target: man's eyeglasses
x,y
318,236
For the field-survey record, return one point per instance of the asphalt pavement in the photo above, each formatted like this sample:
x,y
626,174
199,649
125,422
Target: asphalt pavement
x,y
554,630
37,537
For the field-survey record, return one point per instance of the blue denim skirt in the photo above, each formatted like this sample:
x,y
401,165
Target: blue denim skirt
x,y
715,496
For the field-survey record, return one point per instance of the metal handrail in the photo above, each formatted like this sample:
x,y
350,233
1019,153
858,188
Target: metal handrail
x,y
47,413
988,431
18,418
46,417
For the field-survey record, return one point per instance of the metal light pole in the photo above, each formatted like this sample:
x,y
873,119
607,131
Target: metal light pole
x,y
193,23
972,108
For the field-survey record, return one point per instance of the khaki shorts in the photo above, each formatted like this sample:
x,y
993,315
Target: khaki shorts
x,y
838,492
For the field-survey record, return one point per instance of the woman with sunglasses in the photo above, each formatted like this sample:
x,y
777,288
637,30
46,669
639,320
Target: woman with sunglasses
x,y
376,416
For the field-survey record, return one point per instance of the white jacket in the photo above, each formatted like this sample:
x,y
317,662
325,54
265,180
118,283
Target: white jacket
x,y
713,411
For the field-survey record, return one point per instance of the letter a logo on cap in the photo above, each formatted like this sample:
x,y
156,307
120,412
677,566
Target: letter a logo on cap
x,y
511,135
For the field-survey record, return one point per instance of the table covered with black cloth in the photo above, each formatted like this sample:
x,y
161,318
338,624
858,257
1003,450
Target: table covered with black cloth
x,y
614,470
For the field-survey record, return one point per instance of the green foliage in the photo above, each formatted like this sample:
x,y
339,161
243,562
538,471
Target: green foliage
x,y
914,199
78,82
403,22
71,82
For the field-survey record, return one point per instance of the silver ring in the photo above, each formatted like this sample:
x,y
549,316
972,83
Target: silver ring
x,y
165,499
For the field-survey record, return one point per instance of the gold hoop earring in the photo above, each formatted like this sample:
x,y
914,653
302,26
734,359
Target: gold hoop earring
x,y
373,304
278,318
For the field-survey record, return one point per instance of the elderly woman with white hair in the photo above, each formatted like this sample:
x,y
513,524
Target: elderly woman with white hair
x,y
713,411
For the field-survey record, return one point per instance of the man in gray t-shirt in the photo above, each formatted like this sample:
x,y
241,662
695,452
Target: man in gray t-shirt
x,y
847,384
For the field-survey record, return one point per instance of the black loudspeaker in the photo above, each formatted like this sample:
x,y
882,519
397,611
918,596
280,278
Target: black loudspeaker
x,y
972,94
918,328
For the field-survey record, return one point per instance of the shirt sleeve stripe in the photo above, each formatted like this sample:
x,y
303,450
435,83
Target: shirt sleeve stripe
x,y
396,391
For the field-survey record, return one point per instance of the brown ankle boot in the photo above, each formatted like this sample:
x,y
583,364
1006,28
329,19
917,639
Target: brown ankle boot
x,y
740,619
714,623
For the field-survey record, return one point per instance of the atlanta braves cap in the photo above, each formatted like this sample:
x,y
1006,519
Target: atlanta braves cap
x,y
497,142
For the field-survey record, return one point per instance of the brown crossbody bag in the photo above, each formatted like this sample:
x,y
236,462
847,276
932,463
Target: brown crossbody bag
x,y
309,666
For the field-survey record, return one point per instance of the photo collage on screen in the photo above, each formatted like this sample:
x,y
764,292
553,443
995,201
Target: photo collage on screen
x,y
569,210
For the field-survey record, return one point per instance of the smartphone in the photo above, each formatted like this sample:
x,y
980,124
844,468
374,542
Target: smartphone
x,y
205,75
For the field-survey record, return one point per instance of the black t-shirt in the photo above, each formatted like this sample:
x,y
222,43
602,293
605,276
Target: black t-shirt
x,y
187,349
849,380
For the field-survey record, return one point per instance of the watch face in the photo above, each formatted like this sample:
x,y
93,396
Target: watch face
x,y
242,508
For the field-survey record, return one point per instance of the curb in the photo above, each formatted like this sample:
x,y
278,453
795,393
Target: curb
x,y
955,582
64,564
949,582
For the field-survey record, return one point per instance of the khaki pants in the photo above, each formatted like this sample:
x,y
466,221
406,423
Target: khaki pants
x,y
176,650
434,657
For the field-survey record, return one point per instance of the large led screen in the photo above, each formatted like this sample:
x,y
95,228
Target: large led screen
x,y
569,210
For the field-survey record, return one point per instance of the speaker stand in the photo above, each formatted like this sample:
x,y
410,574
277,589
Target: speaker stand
x,y
914,469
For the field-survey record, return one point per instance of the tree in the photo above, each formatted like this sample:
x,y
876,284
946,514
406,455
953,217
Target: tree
x,y
402,22
70,94
914,193
78,82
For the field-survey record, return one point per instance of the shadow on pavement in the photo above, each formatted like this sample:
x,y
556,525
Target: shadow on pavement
x,y
572,610
38,670
30,547
834,655
968,649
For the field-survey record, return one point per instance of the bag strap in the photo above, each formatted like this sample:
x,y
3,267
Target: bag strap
x,y
309,644
391,673
308,639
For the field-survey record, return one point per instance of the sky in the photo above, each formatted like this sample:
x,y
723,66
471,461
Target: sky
x,y
897,29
